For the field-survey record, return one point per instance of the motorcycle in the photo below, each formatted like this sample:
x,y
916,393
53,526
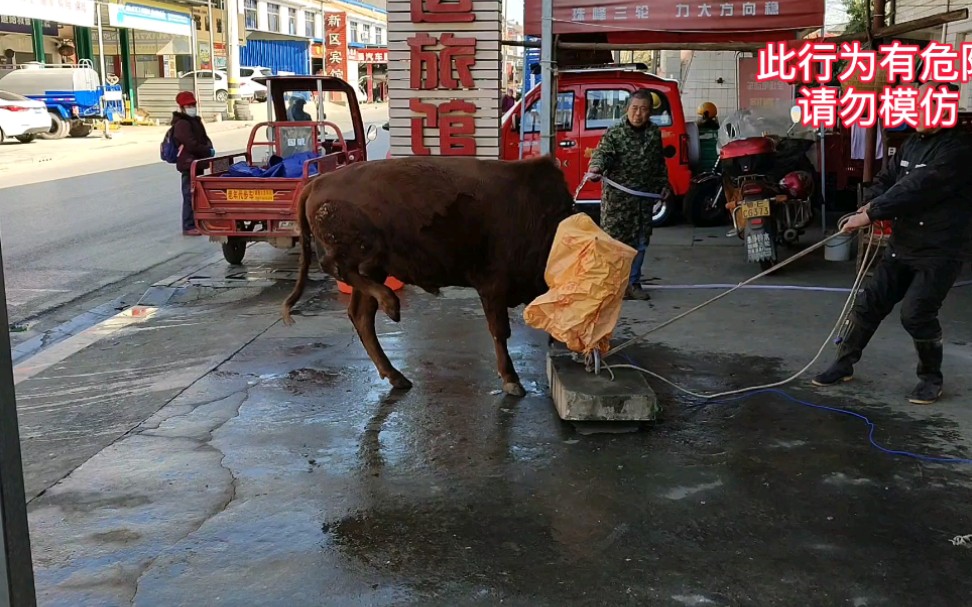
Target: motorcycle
x,y
769,202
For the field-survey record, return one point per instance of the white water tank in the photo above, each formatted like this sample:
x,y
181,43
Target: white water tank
x,y
37,81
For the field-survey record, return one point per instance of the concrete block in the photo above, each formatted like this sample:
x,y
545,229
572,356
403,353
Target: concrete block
x,y
582,396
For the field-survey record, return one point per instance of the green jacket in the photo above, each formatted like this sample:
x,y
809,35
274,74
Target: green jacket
x,y
632,157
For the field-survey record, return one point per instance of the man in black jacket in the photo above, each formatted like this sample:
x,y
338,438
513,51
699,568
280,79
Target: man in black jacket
x,y
189,133
926,190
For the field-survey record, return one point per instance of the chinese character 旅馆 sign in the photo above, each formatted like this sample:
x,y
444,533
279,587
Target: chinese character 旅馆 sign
x,y
444,77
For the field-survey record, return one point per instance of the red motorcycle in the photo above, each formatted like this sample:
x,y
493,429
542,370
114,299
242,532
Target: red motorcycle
x,y
767,209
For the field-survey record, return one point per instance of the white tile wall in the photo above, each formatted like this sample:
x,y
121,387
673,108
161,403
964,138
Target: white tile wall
x,y
702,79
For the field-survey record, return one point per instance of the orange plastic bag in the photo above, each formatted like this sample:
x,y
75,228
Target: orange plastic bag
x,y
587,273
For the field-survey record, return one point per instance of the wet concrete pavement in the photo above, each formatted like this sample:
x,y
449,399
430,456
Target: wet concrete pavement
x,y
273,467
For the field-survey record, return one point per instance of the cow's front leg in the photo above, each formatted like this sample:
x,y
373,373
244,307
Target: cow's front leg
x,y
390,303
498,318
361,311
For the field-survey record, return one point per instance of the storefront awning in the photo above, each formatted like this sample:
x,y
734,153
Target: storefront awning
x,y
76,12
664,21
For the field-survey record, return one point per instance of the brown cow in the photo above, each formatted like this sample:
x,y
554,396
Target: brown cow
x,y
434,222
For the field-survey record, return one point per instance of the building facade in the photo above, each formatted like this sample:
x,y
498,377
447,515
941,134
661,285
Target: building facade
x,y
955,34
281,34
513,56
367,42
288,36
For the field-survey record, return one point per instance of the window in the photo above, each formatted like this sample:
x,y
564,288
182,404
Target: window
x,y
308,24
379,34
366,33
246,72
607,107
564,118
292,21
250,14
354,31
273,17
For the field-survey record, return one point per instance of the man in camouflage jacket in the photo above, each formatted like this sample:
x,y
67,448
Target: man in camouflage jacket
x,y
630,154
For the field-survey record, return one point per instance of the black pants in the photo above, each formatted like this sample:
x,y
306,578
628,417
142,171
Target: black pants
x,y
188,221
919,284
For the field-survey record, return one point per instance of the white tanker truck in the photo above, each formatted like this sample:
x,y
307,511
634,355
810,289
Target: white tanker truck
x,y
73,95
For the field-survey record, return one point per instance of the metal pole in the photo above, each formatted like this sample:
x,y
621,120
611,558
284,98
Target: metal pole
x,y
195,62
101,47
17,579
233,55
823,159
877,22
212,45
37,38
547,111
523,102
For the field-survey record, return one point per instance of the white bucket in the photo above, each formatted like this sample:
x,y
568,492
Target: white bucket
x,y
838,249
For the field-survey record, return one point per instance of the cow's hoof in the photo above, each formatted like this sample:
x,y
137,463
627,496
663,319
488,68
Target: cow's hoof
x,y
401,383
514,389
391,307
392,312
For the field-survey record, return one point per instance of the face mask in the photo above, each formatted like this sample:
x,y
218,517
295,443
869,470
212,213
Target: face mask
x,y
191,111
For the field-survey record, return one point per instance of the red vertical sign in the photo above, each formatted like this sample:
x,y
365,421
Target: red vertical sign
x,y
336,46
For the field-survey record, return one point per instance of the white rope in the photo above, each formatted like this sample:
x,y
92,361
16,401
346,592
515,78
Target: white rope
x,y
615,185
869,259
782,264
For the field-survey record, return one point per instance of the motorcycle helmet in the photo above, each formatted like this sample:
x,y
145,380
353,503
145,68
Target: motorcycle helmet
x,y
708,110
656,102
798,184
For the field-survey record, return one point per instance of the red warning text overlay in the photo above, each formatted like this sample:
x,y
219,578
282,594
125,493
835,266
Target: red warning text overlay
x,y
815,66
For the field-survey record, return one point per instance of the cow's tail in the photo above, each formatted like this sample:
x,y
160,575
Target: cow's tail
x,y
305,258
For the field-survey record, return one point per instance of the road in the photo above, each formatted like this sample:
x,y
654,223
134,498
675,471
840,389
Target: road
x,y
66,238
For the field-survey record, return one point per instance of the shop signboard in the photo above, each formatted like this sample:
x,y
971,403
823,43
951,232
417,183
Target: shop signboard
x,y
368,55
149,17
68,12
699,17
773,96
444,77
219,55
21,25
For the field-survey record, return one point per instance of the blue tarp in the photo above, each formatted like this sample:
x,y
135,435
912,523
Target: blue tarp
x,y
291,167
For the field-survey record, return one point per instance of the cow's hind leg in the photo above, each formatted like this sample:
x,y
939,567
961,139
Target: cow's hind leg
x,y
498,318
361,311
390,303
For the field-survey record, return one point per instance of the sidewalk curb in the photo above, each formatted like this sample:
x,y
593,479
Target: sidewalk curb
x,y
103,320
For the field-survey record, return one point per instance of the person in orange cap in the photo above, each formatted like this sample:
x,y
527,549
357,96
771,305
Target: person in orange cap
x,y
189,133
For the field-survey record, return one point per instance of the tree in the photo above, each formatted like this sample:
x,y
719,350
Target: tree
x,y
857,16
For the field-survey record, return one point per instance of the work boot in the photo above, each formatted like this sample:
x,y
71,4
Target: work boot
x,y
636,292
848,354
929,388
